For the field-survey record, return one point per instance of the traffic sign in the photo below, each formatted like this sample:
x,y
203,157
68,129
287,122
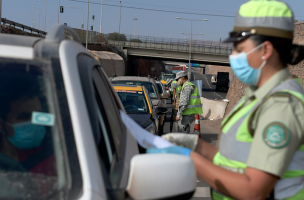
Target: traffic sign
x,y
195,65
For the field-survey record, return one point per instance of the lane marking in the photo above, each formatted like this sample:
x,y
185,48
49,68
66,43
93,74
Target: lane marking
x,y
202,192
211,88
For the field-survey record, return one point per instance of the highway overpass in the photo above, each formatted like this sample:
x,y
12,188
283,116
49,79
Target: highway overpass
x,y
170,49
212,54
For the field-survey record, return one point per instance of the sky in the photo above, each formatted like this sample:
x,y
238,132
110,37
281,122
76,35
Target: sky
x,y
160,23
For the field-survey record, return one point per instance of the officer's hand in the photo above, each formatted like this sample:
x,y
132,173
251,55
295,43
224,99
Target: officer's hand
x,y
173,149
177,118
181,139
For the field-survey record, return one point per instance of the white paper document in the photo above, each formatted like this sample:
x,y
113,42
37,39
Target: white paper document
x,y
143,137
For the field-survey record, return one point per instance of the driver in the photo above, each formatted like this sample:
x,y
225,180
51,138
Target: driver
x,y
20,140
133,100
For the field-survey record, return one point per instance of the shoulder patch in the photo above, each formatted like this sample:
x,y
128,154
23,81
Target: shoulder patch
x,y
276,135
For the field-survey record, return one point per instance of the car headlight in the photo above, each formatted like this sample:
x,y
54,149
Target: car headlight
x,y
150,128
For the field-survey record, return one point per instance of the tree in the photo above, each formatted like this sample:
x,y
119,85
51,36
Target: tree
x,y
118,37
135,40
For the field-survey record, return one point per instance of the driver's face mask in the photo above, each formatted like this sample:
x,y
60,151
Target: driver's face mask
x,y
26,135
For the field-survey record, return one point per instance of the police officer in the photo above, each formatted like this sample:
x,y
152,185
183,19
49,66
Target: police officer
x,y
176,88
261,149
189,103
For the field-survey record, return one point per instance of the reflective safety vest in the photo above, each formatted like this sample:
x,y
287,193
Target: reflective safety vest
x,y
177,89
236,139
195,105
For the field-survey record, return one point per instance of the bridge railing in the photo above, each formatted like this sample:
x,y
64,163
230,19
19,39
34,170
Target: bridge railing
x,y
158,43
23,27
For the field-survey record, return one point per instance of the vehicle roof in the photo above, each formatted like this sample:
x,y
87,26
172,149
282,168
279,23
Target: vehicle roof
x,y
128,87
42,47
132,78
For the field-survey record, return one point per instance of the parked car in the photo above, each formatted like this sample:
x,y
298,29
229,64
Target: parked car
x,y
139,107
158,99
62,136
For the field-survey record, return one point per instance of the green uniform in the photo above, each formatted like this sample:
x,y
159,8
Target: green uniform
x,y
265,132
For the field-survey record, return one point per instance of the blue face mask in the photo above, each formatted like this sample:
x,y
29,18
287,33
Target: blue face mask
x,y
27,135
242,69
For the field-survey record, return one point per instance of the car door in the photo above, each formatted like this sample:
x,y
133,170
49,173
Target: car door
x,y
113,142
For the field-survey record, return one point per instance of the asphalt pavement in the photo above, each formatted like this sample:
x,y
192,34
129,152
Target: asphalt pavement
x,y
202,188
208,91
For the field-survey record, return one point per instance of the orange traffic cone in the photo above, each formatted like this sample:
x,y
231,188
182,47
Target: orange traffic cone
x,y
197,126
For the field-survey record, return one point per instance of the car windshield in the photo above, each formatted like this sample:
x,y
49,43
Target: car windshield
x,y
134,102
159,88
148,85
33,158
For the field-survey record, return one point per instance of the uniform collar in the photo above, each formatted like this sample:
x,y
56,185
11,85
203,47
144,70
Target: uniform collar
x,y
260,93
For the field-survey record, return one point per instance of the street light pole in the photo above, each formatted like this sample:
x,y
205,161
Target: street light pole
x,y
58,10
119,18
45,14
190,49
134,26
87,25
189,72
101,16
39,14
42,19
33,22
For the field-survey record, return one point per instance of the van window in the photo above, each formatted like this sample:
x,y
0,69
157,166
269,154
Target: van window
x,y
33,156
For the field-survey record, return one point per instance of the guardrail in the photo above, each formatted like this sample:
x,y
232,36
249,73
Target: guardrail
x,y
23,27
158,43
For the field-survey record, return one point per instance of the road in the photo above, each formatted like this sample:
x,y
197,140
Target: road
x,y
202,188
209,89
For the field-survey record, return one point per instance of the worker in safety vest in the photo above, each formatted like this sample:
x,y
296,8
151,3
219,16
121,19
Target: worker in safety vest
x,y
261,149
189,103
175,96
176,88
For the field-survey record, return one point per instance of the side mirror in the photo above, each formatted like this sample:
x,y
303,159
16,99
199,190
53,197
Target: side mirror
x,y
161,176
161,110
164,96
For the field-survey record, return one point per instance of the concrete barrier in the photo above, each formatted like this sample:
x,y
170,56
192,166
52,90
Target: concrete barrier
x,y
213,109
